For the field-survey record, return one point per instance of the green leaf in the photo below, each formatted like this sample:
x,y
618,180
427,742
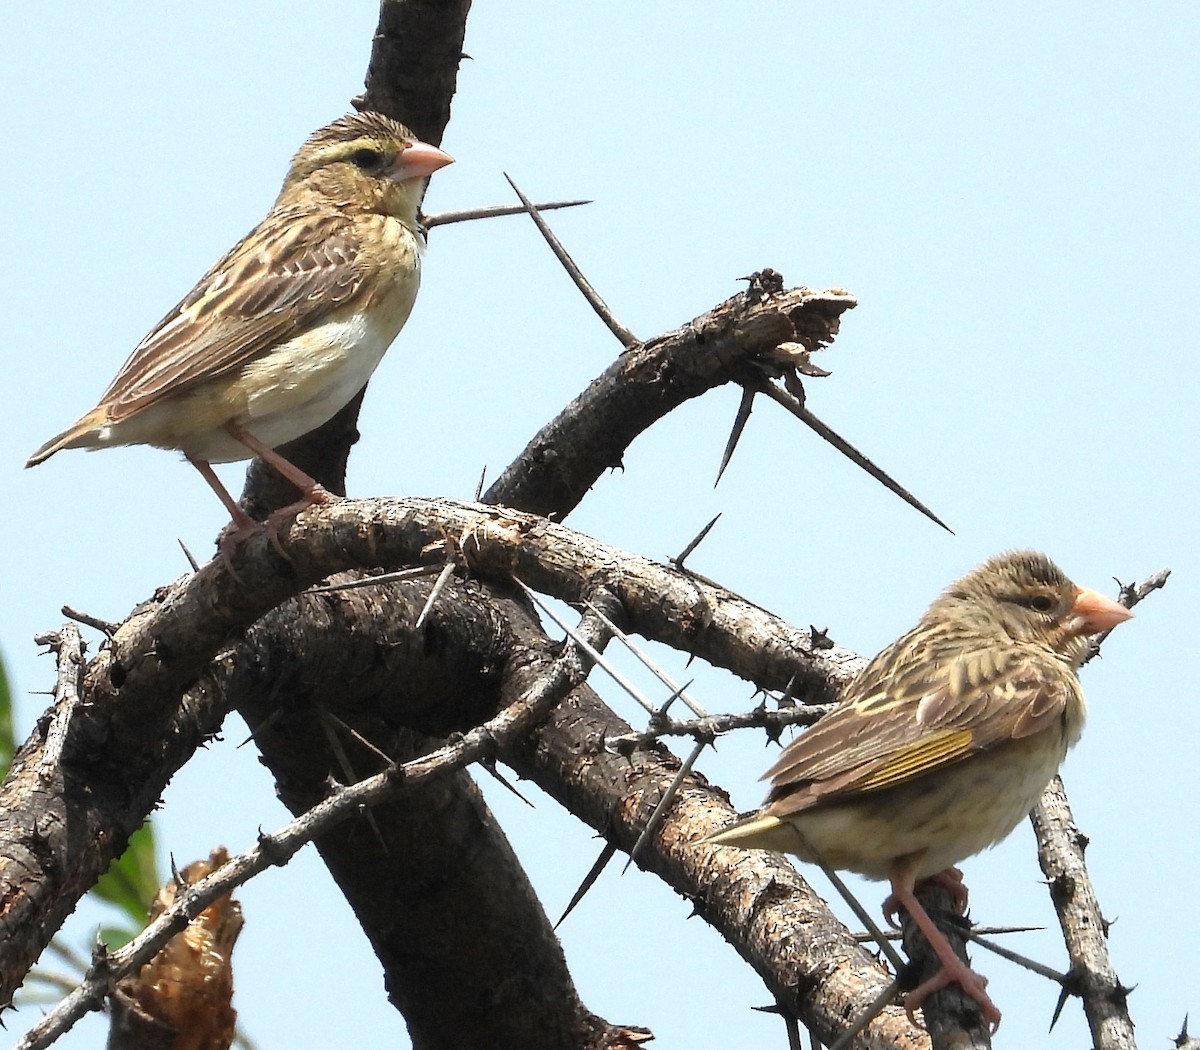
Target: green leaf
x,y
132,880
115,937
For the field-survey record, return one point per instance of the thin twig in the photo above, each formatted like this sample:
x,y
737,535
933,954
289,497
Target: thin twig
x,y
1084,928
494,211
806,417
106,627
69,653
735,435
627,338
1061,848
1130,595
708,729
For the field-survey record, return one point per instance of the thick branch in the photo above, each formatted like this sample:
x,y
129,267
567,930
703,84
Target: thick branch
x,y
808,959
61,826
817,971
392,862
65,816
571,452
535,1005
661,603
1061,847
124,752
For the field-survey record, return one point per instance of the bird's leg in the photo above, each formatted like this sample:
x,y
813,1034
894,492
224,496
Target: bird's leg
x,y
312,491
241,528
950,879
241,520
953,968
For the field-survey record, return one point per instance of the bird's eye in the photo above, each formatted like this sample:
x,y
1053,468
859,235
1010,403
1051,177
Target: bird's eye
x,y
1041,603
366,159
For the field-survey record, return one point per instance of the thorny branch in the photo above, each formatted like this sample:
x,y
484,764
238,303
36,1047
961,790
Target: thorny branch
x,y
495,541
277,848
1061,847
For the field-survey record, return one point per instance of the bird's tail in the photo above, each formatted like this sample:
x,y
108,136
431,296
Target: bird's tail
x,y
73,437
754,832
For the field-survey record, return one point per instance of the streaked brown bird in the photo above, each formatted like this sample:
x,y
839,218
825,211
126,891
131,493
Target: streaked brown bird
x,y
941,745
289,325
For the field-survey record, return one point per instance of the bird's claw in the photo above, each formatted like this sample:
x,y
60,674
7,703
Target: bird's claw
x,y
974,984
318,495
951,880
231,538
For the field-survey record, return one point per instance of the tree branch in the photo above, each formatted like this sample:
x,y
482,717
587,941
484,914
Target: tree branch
x,y
538,692
1061,846
571,452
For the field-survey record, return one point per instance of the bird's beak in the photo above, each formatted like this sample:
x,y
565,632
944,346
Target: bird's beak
x,y
1093,612
419,160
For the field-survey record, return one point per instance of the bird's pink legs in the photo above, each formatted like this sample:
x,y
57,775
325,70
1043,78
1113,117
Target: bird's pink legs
x,y
244,526
312,492
953,970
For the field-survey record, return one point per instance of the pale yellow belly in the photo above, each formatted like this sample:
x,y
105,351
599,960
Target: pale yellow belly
x,y
278,396
945,818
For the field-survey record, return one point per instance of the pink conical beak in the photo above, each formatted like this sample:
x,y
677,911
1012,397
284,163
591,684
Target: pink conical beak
x,y
1093,612
419,160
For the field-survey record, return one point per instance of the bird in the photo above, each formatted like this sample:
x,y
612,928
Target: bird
x,y
941,745
288,325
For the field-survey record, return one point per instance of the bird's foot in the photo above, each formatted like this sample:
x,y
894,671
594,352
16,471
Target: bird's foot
x,y
232,537
243,527
953,969
975,985
951,880
317,495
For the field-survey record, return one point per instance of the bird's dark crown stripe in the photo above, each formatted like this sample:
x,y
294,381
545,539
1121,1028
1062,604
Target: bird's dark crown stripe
x,y
340,151
339,140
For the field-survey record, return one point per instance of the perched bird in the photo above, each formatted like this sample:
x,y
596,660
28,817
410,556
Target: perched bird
x,y
285,329
942,744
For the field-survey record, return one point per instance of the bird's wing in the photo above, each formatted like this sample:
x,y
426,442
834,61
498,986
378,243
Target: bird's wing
x,y
910,713
277,281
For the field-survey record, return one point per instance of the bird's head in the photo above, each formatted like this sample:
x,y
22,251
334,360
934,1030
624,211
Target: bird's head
x,y
1030,599
363,162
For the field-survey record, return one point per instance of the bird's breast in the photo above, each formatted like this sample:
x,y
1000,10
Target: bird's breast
x,y
301,383
944,817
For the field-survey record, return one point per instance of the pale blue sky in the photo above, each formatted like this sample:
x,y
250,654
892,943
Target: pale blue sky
x,y
1012,194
